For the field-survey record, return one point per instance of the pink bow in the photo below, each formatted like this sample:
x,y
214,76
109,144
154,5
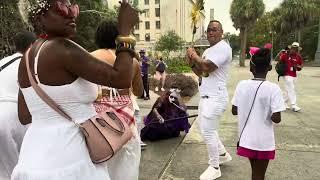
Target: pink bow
x,y
253,50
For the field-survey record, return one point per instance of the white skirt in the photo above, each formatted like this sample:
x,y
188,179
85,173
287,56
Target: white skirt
x,y
124,165
55,149
11,136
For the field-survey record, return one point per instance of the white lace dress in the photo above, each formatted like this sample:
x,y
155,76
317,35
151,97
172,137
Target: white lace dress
x,y
53,147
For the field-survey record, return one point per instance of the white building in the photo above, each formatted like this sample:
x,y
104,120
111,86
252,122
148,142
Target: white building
x,y
161,16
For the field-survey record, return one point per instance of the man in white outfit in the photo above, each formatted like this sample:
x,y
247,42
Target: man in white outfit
x,y
11,131
212,68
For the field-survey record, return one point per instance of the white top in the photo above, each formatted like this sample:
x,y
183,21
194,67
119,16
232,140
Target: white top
x,y
221,55
9,77
258,133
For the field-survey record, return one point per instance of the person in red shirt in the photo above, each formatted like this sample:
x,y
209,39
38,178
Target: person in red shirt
x,y
294,63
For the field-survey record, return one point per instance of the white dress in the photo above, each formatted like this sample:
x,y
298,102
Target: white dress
x,y
53,147
11,131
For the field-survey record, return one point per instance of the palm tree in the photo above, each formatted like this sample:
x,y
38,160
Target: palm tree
x,y
196,13
295,14
244,13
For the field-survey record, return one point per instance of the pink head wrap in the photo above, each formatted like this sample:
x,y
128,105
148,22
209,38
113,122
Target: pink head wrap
x,y
268,46
253,50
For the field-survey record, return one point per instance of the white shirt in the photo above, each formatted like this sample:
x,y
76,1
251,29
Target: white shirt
x,y
221,55
9,79
258,133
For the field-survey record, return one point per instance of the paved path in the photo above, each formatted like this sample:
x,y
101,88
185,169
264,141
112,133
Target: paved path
x,y
297,137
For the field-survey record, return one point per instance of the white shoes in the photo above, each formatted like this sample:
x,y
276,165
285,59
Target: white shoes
x,y
295,108
162,89
210,174
226,158
156,89
287,106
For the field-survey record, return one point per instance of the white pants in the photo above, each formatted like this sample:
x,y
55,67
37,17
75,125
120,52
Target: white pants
x,y
11,136
210,112
124,165
290,96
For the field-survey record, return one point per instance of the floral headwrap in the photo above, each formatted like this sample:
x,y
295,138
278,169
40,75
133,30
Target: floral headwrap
x,y
38,7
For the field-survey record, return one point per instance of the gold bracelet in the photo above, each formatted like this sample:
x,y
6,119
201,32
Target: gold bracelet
x,y
126,39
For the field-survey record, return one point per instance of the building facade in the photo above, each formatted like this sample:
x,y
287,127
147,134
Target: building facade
x,y
161,16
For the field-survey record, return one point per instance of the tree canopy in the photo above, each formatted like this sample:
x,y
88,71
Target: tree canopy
x,y
169,42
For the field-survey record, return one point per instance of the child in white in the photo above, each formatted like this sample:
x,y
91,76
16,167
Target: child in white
x,y
256,134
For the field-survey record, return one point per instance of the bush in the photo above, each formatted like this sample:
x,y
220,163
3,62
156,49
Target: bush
x,y
186,84
175,65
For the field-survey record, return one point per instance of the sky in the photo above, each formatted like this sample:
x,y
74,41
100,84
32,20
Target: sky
x,y
222,8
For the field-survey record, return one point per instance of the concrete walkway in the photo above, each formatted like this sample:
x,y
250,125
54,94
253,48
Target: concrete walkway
x,y
297,139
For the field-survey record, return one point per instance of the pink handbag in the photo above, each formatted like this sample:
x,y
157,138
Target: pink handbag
x,y
105,134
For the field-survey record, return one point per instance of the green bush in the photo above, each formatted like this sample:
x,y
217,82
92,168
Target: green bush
x,y
175,65
186,84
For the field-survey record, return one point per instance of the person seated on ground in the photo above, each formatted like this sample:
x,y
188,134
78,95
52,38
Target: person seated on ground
x,y
167,117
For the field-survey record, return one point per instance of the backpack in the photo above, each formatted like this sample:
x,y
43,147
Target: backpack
x,y
281,68
161,67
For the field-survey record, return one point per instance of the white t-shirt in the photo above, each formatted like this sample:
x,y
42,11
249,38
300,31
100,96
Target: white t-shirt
x,y
9,79
221,55
258,133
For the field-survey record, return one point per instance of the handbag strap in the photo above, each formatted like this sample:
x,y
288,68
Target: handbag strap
x,y
41,93
250,110
10,62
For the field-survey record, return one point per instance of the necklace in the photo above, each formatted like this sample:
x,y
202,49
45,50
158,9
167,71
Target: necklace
x,y
259,79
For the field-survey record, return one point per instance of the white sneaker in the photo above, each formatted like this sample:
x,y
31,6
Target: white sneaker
x,y
162,89
156,89
295,108
287,107
226,158
210,174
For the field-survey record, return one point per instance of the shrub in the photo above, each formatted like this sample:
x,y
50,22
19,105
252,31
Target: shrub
x,y
186,84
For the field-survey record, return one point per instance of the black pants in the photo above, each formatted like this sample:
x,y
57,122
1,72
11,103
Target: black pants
x,y
145,85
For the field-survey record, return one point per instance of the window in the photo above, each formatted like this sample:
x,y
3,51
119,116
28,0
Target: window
x,y
137,36
146,2
158,26
147,13
136,26
157,12
147,37
157,1
147,23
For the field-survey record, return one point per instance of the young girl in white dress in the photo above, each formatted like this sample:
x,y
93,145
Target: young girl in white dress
x,y
258,104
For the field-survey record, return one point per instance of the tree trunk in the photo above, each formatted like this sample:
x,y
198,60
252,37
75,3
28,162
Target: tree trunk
x,y
299,36
243,36
317,55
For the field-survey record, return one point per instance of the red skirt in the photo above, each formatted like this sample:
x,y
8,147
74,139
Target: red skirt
x,y
254,154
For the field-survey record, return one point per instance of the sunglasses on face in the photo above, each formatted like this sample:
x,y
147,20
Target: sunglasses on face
x,y
172,97
67,10
212,30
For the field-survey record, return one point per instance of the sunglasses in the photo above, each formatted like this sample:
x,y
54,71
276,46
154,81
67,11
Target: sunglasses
x,y
67,10
213,30
172,97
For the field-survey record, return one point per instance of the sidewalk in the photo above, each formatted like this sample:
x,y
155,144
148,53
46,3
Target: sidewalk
x,y
297,136
297,139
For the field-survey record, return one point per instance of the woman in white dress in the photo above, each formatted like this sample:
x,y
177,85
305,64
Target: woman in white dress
x,y
11,131
53,147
